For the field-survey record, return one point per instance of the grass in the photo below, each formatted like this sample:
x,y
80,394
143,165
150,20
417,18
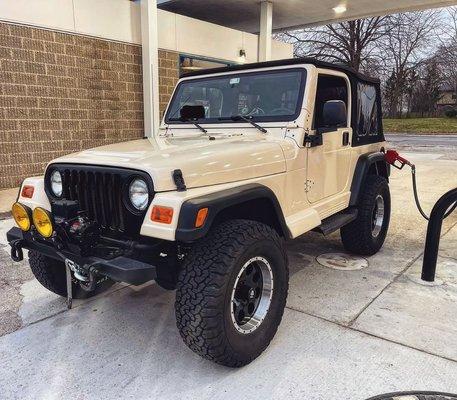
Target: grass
x,y
421,125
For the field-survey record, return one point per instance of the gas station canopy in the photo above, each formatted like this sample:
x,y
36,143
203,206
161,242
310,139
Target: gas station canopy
x,y
256,16
245,14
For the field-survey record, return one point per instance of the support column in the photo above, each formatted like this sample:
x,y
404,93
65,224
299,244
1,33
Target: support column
x,y
149,44
266,29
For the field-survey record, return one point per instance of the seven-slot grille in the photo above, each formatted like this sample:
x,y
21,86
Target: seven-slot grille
x,y
102,194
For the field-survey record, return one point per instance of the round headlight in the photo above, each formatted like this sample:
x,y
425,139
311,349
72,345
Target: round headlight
x,y
56,183
139,194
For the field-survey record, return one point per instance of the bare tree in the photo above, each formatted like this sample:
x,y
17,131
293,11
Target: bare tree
x,y
396,48
447,51
449,32
409,35
352,43
426,92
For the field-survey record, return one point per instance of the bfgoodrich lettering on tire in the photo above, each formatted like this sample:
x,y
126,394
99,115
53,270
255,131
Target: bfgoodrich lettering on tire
x,y
232,291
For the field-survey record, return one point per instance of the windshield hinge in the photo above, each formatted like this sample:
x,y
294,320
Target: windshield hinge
x,y
313,140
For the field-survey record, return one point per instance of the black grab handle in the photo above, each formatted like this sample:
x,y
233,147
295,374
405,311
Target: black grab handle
x,y
432,242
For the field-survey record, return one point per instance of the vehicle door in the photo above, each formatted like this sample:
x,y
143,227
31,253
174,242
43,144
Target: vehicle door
x,y
329,158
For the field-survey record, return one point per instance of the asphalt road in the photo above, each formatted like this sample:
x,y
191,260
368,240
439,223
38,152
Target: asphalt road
x,y
423,140
444,146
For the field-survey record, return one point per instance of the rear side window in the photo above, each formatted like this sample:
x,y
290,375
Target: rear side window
x,y
367,110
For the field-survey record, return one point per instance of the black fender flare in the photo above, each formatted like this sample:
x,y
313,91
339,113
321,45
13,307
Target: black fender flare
x,y
217,202
362,168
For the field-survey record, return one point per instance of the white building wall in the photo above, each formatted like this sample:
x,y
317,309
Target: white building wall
x,y
111,19
53,14
120,20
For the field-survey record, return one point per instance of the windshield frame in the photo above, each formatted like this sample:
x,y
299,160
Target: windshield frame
x,y
255,118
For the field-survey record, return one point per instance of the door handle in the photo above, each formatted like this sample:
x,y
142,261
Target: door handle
x,y
345,138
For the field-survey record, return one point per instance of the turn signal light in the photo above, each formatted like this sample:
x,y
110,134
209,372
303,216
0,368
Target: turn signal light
x,y
21,215
201,217
43,222
27,191
162,214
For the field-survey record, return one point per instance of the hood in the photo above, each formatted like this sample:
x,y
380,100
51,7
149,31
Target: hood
x,y
203,162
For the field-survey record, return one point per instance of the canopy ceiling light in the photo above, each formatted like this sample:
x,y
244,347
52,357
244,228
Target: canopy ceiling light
x,y
340,9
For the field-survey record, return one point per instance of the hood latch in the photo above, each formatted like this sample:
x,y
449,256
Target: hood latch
x,y
179,180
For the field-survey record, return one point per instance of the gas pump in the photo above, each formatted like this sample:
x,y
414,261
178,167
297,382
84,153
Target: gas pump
x,y
443,208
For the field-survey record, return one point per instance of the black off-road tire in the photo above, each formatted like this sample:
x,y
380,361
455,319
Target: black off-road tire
x,y
204,290
52,275
358,237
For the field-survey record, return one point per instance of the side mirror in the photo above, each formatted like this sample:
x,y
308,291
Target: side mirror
x,y
334,114
189,113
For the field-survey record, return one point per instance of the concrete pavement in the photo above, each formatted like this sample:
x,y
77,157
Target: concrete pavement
x,y
7,198
345,334
127,346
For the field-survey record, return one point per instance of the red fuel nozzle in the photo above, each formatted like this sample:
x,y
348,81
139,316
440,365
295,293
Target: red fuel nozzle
x,y
393,158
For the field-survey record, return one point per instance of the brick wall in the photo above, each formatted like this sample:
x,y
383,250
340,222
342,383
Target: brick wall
x,y
61,93
168,76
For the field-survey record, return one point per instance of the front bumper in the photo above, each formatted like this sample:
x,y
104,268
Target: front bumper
x,y
120,269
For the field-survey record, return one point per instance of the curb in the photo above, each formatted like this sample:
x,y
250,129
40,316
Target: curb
x,y
5,215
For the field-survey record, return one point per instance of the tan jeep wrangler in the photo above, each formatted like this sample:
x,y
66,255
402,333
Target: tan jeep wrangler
x,y
246,157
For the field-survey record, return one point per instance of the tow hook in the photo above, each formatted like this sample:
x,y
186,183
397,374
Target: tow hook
x,y
16,250
86,279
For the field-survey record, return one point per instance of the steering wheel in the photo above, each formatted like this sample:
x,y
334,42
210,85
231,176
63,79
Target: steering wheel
x,y
281,110
255,111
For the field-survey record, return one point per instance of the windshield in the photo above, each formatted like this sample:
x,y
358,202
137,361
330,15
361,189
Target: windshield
x,y
260,96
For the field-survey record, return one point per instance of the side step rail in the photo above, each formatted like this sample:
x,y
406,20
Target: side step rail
x,y
337,221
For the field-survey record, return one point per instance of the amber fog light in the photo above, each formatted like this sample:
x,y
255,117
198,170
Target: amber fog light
x,y
43,222
21,215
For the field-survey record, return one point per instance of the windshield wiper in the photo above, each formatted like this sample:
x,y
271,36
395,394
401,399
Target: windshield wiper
x,y
245,119
194,123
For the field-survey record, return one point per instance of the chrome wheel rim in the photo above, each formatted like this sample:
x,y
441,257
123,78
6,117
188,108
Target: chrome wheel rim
x,y
378,216
251,295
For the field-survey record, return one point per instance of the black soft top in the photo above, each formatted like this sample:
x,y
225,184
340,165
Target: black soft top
x,y
367,111
289,61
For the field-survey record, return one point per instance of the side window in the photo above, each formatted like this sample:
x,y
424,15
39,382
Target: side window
x,y
367,110
328,88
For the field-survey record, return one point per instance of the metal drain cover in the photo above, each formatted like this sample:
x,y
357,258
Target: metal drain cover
x,y
416,396
341,261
